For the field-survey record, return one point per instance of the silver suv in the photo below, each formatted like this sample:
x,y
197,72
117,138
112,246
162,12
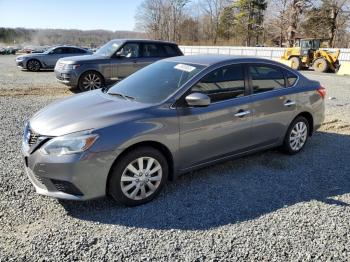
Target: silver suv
x,y
115,60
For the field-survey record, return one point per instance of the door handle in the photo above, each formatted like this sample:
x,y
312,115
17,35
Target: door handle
x,y
242,113
289,103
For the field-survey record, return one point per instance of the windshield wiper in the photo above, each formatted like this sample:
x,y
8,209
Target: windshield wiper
x,y
126,97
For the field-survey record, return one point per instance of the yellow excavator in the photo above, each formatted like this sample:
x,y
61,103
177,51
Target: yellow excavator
x,y
306,53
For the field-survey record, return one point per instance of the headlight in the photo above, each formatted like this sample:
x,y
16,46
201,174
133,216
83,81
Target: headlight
x,y
20,58
70,144
70,66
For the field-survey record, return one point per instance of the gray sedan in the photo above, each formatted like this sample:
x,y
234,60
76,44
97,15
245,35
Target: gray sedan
x,y
176,115
47,60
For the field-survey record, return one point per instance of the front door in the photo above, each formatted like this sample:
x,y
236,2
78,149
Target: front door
x,y
125,62
223,127
54,55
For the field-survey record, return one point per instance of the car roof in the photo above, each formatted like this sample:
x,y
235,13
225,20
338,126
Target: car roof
x,y
145,41
208,60
73,46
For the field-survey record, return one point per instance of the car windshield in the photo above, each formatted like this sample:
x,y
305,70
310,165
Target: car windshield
x,y
109,48
49,50
155,82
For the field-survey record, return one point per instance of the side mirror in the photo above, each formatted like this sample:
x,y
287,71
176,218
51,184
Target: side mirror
x,y
119,55
197,99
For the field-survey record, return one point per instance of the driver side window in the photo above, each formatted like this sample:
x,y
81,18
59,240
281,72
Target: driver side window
x,y
222,84
130,50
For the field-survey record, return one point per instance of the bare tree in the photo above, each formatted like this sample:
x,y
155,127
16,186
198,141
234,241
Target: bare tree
x,y
336,9
213,9
149,16
296,9
242,21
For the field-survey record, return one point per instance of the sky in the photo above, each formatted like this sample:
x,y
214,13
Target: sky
x,y
69,14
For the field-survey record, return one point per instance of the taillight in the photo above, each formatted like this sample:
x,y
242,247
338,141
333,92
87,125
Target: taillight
x,y
322,91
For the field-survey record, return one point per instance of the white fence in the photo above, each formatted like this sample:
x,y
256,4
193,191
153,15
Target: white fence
x,y
265,52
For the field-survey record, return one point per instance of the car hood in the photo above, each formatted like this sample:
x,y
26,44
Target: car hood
x,y
90,110
83,59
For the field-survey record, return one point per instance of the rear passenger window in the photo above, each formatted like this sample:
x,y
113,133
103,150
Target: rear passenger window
x,y
66,50
222,84
77,51
266,78
171,50
153,50
291,78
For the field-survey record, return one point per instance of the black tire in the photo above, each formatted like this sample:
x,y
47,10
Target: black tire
x,y
287,146
296,62
90,80
120,169
33,65
336,66
320,65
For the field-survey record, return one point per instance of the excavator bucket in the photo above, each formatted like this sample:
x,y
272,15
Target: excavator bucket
x,y
344,69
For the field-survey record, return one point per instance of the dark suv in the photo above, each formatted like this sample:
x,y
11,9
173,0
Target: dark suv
x,y
113,61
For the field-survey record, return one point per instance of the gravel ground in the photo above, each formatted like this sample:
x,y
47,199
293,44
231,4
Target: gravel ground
x,y
12,77
267,206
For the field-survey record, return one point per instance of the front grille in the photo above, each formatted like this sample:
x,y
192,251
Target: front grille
x,y
33,138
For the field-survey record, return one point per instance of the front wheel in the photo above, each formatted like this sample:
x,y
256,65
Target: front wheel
x,y
90,81
138,176
320,65
297,136
33,65
295,63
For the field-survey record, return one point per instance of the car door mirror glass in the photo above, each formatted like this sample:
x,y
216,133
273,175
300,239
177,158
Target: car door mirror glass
x,y
197,99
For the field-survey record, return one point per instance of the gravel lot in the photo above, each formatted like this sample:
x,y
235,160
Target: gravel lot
x,y
267,206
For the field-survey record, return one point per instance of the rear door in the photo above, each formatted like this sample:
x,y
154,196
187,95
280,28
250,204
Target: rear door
x,y
223,127
151,52
273,103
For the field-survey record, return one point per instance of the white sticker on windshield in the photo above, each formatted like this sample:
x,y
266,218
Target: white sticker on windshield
x,y
186,68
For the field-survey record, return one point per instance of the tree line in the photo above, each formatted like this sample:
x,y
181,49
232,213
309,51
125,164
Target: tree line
x,y
246,22
213,22
88,38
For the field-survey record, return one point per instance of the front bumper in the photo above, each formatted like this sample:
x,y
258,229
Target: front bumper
x,y
74,177
20,64
67,77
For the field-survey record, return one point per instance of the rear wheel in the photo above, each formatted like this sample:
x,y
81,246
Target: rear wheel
x,y
90,81
295,62
297,136
138,176
33,65
320,65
